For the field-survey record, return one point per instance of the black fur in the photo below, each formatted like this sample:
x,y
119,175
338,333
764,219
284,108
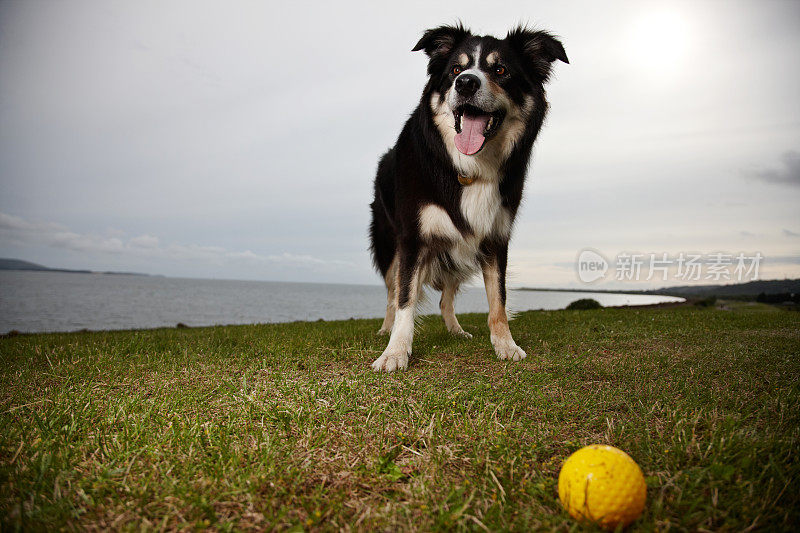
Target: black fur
x,y
419,171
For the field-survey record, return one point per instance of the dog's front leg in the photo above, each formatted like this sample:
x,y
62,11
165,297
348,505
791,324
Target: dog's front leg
x,y
494,277
407,286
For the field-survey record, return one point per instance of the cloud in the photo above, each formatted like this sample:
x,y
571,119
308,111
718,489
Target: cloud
x,y
16,230
20,231
12,223
789,233
788,173
144,241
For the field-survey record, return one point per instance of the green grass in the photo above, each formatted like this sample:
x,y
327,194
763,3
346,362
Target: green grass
x,y
285,426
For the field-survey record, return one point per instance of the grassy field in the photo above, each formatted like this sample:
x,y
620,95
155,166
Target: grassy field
x,y
285,426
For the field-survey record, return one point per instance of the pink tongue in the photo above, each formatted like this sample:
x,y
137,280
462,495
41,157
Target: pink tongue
x,y
471,138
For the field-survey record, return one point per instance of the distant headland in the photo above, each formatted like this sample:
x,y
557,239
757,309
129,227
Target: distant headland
x,y
19,264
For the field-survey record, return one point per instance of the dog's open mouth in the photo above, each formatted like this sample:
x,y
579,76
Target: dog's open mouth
x,y
474,126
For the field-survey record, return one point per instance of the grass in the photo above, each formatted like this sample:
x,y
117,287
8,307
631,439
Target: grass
x,y
285,426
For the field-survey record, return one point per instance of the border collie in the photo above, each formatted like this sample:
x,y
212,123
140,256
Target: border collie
x,y
447,193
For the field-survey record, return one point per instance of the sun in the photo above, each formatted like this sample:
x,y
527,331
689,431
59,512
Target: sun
x,y
658,42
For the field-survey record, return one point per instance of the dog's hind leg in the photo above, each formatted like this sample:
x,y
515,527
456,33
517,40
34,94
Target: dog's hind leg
x,y
408,284
391,297
446,304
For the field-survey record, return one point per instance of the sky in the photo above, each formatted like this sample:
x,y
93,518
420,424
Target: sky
x,y
240,139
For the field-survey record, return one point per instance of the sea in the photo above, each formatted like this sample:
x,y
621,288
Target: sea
x,y
42,301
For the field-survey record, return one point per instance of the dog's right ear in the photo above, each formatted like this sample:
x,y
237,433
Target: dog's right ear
x,y
439,42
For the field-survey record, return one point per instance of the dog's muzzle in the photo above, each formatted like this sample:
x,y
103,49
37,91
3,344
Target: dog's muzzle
x,y
474,123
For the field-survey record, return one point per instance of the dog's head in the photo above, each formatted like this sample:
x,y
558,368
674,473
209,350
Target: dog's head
x,y
486,85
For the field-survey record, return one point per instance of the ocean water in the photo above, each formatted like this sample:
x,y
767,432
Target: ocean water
x,y
59,301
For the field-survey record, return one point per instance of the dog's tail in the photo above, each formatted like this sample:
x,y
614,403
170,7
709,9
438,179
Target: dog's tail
x,y
382,235
382,239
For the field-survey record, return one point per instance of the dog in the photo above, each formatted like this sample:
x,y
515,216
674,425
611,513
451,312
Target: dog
x,y
447,193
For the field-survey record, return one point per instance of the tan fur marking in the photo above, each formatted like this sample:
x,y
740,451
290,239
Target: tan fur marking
x,y
447,307
498,320
491,59
496,90
463,60
391,283
500,334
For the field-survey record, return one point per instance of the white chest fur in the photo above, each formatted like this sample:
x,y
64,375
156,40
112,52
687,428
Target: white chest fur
x,y
482,208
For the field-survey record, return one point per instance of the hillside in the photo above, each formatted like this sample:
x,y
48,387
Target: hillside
x,y
19,264
751,288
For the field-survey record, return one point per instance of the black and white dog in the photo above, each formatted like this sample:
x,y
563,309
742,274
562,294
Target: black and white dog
x,y
447,193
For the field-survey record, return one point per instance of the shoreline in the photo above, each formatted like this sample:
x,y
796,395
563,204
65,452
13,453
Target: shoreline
x,y
180,325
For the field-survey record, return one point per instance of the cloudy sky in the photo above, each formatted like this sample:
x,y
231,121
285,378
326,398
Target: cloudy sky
x,y
239,140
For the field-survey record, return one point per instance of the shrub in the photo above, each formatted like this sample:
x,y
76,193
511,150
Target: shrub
x,y
585,303
709,301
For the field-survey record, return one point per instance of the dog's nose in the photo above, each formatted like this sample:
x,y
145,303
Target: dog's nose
x,y
467,84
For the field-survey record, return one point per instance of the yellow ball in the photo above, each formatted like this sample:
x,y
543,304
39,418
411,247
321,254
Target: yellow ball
x,y
602,484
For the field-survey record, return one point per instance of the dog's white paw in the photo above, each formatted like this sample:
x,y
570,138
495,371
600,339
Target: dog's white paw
x,y
461,333
507,349
391,360
384,331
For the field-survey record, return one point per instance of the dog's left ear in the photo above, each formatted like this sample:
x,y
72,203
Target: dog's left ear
x,y
539,48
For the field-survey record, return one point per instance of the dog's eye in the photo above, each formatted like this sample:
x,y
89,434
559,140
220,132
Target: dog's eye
x,y
456,70
499,70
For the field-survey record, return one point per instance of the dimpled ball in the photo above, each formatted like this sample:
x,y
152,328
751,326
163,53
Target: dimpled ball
x,y
603,485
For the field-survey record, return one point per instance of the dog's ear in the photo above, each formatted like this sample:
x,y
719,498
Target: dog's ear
x,y
439,42
539,48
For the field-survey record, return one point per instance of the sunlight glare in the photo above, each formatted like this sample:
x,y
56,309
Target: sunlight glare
x,y
658,42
